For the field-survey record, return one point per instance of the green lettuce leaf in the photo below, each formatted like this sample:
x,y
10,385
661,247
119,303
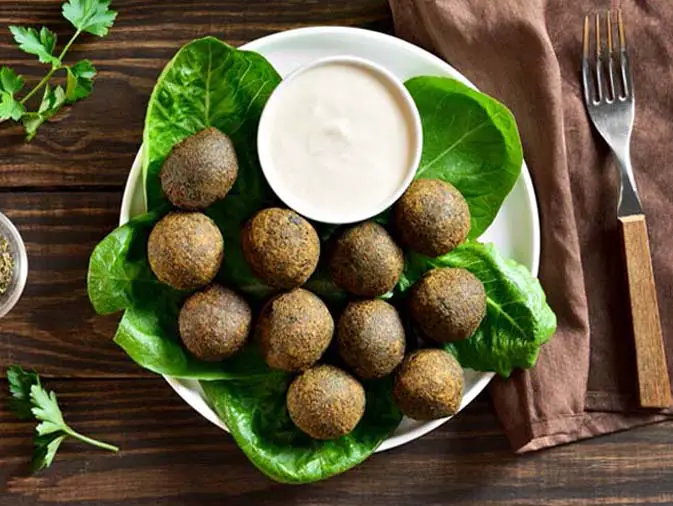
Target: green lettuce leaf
x,y
518,319
469,140
120,278
230,215
119,274
209,83
256,414
149,335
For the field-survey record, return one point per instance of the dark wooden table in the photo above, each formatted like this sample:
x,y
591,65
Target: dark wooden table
x,y
63,191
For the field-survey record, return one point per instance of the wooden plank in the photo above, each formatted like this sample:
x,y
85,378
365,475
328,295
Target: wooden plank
x,y
94,143
53,327
170,455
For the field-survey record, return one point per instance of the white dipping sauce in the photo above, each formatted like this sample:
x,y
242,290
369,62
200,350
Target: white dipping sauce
x,y
341,140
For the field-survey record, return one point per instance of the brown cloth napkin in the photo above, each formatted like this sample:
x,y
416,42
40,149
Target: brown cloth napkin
x,y
527,54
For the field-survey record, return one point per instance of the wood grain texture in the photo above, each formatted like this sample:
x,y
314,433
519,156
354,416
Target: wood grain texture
x,y
94,142
653,379
53,328
171,456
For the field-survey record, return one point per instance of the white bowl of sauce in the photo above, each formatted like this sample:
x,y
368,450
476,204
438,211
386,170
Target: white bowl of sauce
x,y
339,140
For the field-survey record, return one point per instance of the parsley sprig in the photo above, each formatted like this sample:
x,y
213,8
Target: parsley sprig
x,y
30,400
87,16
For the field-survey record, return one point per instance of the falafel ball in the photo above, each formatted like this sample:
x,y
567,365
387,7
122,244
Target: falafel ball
x,y
325,402
281,247
185,250
448,304
432,217
370,338
200,170
366,261
429,385
294,329
215,323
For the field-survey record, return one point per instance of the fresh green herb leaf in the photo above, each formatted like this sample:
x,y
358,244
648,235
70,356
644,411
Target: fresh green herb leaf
x,y
46,410
80,81
92,16
10,108
20,383
45,450
52,101
29,397
518,319
31,123
10,82
41,44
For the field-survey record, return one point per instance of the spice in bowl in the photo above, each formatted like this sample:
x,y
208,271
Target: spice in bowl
x,y
13,265
6,265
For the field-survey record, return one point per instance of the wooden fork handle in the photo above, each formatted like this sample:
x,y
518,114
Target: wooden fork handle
x,y
653,379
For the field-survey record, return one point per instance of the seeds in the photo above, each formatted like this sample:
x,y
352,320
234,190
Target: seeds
x,y
6,265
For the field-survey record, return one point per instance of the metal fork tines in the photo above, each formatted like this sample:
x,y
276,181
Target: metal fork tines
x,y
608,95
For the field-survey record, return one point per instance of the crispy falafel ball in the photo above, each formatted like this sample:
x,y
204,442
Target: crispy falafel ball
x,y
281,247
429,385
185,250
448,304
200,170
294,329
370,338
325,402
365,260
432,217
215,323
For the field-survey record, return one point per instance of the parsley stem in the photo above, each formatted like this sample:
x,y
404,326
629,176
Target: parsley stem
x,y
94,442
54,68
44,81
70,43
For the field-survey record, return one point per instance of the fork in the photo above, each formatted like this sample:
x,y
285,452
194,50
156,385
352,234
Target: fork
x,y
608,96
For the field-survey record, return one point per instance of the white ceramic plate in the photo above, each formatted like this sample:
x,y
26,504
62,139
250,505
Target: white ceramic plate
x,y
515,231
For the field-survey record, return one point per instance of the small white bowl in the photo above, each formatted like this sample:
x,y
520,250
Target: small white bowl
x,y
18,250
323,213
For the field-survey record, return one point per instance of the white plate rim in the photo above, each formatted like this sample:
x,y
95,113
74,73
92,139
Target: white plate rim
x,y
193,395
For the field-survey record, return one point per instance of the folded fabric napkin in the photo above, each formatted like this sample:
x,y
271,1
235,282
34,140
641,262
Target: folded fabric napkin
x,y
527,54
